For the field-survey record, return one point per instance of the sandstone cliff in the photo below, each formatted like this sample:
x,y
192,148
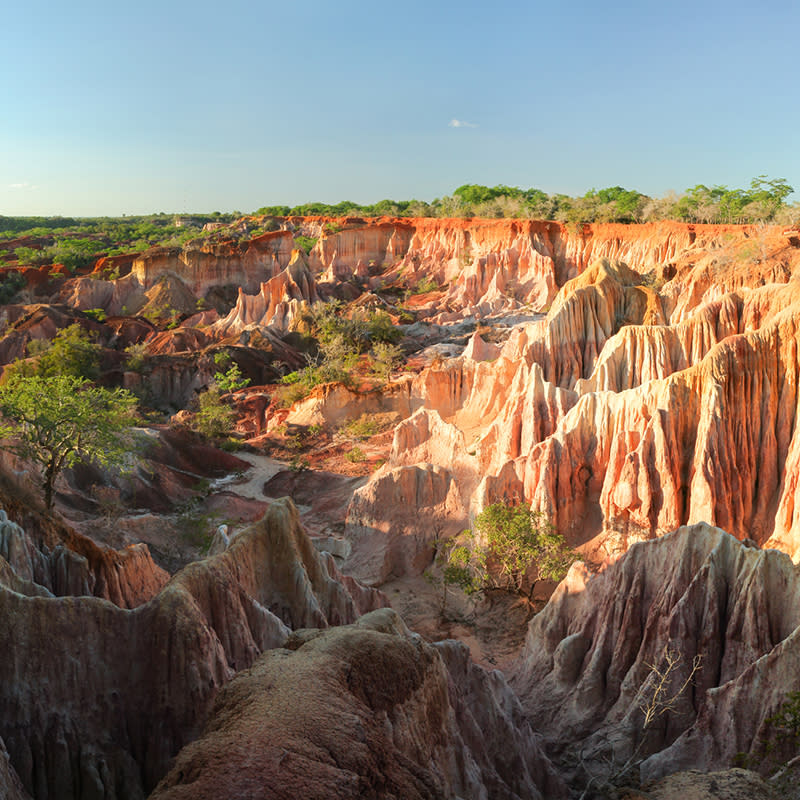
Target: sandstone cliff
x,y
278,302
245,264
98,699
621,427
587,670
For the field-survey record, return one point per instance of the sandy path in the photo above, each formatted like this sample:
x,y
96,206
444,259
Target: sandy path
x,y
252,483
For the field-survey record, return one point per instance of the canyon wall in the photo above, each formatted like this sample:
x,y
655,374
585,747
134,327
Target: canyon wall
x,y
368,710
97,699
723,613
619,426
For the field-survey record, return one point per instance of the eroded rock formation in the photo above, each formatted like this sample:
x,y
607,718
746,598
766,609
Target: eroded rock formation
x,y
588,668
98,699
128,578
368,710
278,302
621,427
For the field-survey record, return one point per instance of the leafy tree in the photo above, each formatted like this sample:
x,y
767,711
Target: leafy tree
x,y
385,357
273,211
767,196
59,420
70,353
214,417
457,563
73,353
513,539
616,204
231,380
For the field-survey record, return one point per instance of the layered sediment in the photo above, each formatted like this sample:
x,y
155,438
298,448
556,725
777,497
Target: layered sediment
x,y
98,698
367,710
722,612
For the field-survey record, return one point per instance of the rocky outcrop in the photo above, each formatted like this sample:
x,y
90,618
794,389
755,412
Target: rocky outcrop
x,y
332,404
98,699
393,521
78,567
278,302
368,710
729,784
713,442
29,322
10,784
588,669
203,267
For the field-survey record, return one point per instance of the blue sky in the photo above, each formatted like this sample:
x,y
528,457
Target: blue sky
x,y
114,108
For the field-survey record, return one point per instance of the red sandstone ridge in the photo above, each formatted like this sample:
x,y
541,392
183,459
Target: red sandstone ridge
x,y
102,698
485,266
367,710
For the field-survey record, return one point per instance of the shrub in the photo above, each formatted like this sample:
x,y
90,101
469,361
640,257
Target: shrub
x,y
29,256
306,243
231,380
356,455
299,463
361,428
213,418
380,328
137,355
507,541
515,538
426,285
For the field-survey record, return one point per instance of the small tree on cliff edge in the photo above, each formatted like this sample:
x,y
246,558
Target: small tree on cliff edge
x,y
60,420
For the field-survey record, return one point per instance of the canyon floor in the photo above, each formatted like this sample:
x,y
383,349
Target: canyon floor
x,y
255,611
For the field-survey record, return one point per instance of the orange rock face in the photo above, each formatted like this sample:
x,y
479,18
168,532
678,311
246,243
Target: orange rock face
x,y
217,264
626,413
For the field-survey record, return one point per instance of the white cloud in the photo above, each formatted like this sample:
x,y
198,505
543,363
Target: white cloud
x,y
459,123
24,185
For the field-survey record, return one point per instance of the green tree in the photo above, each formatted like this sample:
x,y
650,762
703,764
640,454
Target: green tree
x,y
385,357
73,353
457,562
513,539
214,417
231,380
57,421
